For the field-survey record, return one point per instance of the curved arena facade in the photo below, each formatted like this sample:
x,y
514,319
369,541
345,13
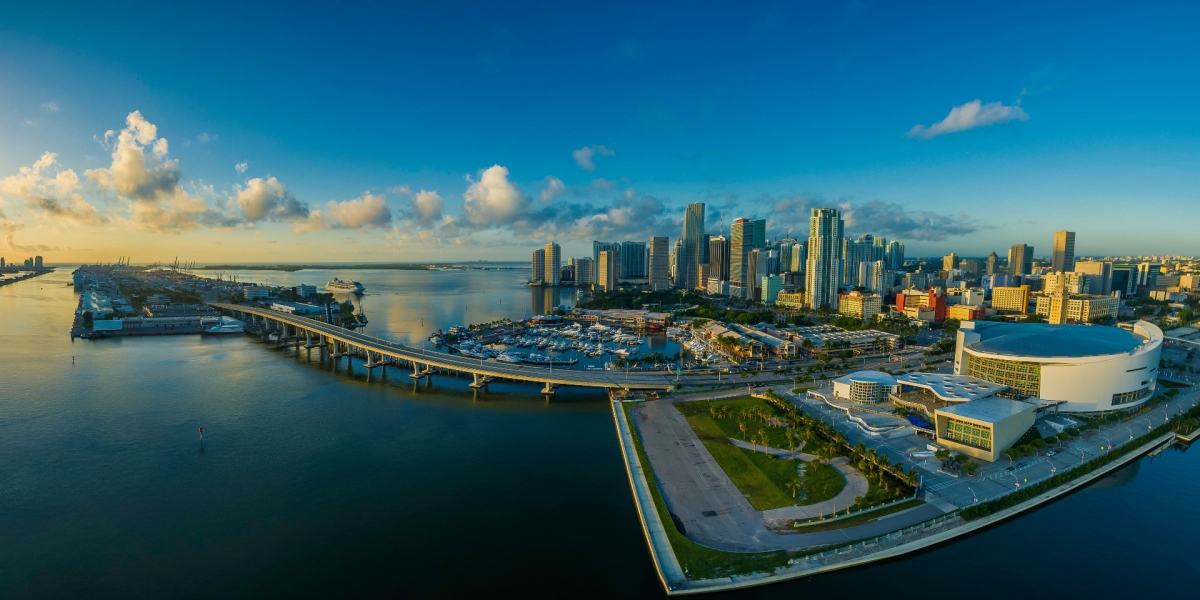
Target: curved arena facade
x,y
1089,369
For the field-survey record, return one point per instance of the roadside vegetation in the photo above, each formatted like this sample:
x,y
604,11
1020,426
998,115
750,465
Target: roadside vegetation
x,y
817,525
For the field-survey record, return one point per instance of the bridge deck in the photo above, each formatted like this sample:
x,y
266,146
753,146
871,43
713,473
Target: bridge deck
x,y
555,376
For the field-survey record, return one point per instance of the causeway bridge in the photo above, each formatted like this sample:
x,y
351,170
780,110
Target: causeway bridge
x,y
379,353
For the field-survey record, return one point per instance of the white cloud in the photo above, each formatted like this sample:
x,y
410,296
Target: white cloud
x,y
494,200
554,188
267,199
206,137
241,167
53,195
428,207
583,156
50,107
142,175
969,116
368,210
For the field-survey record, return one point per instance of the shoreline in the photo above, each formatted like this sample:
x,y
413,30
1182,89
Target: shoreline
x,y
662,552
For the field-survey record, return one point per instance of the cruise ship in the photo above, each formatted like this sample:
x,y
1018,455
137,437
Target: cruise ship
x,y
337,285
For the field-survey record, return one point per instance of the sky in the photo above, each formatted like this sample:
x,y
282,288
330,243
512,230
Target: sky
x,y
295,132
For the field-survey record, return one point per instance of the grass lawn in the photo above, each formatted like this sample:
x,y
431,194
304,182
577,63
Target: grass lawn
x,y
729,424
701,562
763,477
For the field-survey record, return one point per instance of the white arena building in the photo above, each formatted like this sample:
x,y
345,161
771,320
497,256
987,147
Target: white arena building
x,y
1087,369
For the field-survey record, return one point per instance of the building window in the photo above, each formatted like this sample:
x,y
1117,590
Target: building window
x,y
1127,397
971,434
1025,378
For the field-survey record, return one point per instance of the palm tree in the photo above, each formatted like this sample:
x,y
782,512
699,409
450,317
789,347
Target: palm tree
x,y
795,486
712,410
762,435
743,428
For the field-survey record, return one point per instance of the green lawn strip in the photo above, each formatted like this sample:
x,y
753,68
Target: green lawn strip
x,y
729,424
821,483
858,519
701,562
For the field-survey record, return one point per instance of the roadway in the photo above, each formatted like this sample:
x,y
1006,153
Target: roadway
x,y
628,380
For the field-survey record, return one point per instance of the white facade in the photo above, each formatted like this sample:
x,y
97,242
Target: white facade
x,y
1064,363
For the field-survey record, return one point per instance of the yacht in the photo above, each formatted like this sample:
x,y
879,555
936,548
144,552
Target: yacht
x,y
226,326
337,285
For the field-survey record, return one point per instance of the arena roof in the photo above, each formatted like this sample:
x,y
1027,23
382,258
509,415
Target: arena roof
x,y
1040,340
988,410
869,376
952,387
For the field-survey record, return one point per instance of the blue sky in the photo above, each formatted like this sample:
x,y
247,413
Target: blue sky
x,y
479,130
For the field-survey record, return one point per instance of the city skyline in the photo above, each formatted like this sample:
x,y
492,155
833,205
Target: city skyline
x,y
162,165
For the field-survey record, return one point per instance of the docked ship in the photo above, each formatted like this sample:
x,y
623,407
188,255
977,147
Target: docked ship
x,y
337,285
226,326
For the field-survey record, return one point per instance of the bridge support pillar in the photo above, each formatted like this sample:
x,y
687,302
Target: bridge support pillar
x,y
417,373
370,365
337,350
549,389
308,340
479,382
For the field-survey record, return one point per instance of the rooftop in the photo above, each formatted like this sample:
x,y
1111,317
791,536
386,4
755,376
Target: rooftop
x,y
952,387
1042,340
988,410
872,376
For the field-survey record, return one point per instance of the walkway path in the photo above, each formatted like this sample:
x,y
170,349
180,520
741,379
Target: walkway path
x,y
856,485
711,509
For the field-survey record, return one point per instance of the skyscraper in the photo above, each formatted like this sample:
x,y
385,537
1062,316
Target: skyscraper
x,y
855,253
1063,260
1101,283
1020,260
895,256
585,272
553,268
992,259
741,242
950,261
539,265
659,261
608,270
633,260
718,258
689,257
824,270
597,248
799,257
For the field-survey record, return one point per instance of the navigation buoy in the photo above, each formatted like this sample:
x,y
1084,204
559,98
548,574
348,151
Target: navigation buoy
x,y
201,435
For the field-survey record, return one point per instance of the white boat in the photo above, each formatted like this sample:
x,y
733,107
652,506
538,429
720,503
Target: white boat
x,y
227,326
350,287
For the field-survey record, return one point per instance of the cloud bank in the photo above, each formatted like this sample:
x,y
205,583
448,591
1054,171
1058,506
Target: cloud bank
x,y
584,156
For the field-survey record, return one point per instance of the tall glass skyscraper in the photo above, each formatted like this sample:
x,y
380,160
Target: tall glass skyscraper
x,y
597,248
824,271
660,263
689,261
633,260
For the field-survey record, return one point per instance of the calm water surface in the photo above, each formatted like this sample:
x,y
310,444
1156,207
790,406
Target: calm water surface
x,y
313,481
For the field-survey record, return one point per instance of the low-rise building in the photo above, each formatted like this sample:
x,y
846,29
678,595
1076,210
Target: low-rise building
x,y
964,312
717,287
859,305
640,319
792,300
296,308
865,387
304,291
1079,308
254,292
863,340
984,428
1011,299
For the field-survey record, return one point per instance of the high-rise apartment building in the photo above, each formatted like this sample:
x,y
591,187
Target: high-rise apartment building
x,y
539,266
633,260
659,262
1020,260
854,253
37,261
718,258
741,242
609,268
824,268
860,306
584,272
1063,260
950,261
785,247
992,261
769,288
689,248
1147,274
597,248
799,257
553,269
876,277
